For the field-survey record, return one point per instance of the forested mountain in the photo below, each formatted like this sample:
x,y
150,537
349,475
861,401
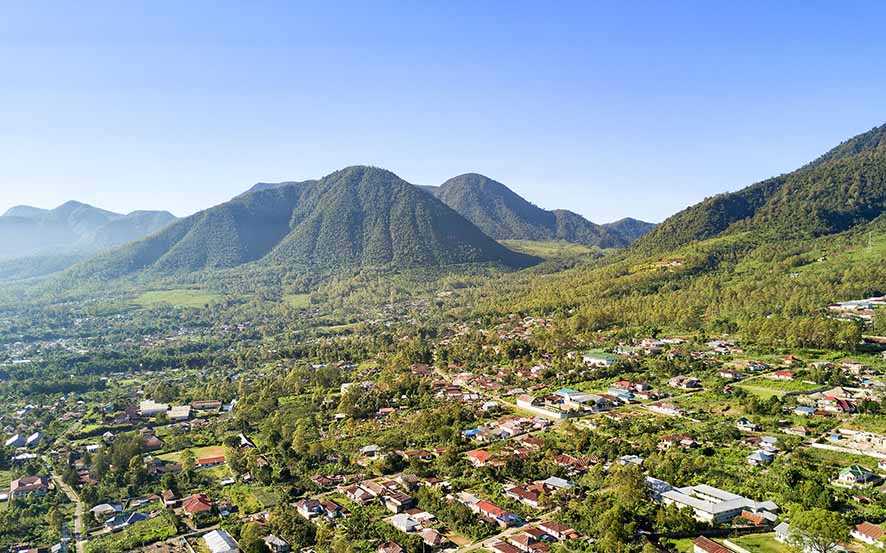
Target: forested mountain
x,y
504,215
629,228
358,216
844,187
259,186
72,228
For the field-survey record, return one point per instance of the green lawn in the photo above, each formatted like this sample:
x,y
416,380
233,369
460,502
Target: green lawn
x,y
683,545
761,543
297,301
177,298
546,249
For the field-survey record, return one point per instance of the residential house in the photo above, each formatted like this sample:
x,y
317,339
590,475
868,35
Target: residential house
x,y
211,461
276,544
358,494
493,513
196,504
528,495
169,498
745,425
666,408
557,530
871,534
432,538
14,441
503,547
856,475
179,413
404,522
150,408
27,485
760,458
389,547
309,508
122,521
478,457
219,541
397,502
783,533
702,544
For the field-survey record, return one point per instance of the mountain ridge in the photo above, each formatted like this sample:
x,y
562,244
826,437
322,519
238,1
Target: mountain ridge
x,y
357,216
504,215
72,228
842,188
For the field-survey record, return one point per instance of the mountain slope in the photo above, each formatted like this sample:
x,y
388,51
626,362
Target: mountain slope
x,y
260,186
629,228
71,229
504,215
843,188
359,216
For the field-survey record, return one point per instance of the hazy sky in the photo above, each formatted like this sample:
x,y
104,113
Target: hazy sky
x,y
609,109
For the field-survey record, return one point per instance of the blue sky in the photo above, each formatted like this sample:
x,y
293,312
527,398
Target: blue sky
x,y
609,109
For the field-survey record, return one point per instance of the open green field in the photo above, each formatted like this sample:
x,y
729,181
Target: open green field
x,y
832,461
765,388
683,545
868,423
761,543
5,479
297,301
547,249
199,452
177,298
251,499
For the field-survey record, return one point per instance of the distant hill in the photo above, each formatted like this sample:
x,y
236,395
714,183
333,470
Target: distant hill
x,y
843,188
504,215
630,229
259,186
358,216
72,229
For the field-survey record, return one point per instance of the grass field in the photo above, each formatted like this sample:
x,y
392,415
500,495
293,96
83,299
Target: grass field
x,y
250,499
177,298
833,460
547,249
765,388
868,423
761,543
199,452
297,301
683,545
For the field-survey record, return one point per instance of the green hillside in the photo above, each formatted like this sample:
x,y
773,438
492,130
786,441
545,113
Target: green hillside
x,y
775,290
629,228
504,215
842,188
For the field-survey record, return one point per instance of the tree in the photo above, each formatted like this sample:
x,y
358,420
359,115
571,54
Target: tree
x,y
817,530
252,538
189,461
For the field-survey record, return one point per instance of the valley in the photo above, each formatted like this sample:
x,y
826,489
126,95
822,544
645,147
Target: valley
x,y
357,364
